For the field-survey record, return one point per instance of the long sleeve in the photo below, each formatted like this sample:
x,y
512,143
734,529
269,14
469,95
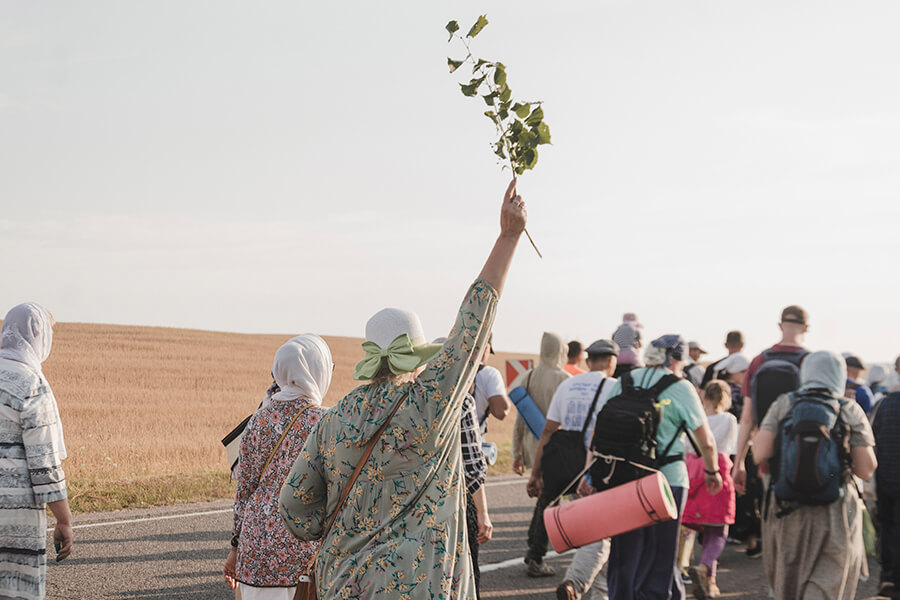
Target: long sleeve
x,y
304,495
41,436
448,378
474,465
248,475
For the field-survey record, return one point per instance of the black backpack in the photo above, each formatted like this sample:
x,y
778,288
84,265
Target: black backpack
x,y
812,452
624,441
778,374
564,455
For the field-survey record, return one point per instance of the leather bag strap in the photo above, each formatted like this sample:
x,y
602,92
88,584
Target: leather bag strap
x,y
359,467
281,439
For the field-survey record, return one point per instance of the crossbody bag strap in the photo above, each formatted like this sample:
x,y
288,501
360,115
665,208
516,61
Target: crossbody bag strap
x,y
359,467
587,419
281,439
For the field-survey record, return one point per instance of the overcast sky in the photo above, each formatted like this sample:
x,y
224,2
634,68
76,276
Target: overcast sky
x,y
289,167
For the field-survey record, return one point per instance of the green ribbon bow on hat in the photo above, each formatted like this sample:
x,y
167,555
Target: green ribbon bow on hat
x,y
401,355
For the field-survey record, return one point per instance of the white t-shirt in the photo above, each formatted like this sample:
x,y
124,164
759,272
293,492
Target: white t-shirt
x,y
573,398
488,383
724,427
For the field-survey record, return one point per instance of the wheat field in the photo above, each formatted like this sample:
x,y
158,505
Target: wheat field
x,y
144,408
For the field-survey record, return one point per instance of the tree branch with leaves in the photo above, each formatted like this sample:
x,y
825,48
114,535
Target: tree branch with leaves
x,y
520,125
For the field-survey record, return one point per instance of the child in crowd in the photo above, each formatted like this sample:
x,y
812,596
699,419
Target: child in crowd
x,y
712,514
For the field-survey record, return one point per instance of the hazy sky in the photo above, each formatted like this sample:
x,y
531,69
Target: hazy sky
x,y
288,167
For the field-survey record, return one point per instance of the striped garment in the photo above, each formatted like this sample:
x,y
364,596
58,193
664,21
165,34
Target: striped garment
x,y
31,450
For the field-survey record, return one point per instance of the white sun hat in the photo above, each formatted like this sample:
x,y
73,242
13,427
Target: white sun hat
x,y
394,336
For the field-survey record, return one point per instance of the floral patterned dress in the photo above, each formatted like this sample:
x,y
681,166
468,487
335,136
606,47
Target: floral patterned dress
x,y
267,554
402,533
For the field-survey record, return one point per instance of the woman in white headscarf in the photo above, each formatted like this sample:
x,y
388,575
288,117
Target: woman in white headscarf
x,y
31,450
265,560
816,552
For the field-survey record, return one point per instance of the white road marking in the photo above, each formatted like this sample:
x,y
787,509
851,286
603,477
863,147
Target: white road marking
x,y
512,562
506,482
145,519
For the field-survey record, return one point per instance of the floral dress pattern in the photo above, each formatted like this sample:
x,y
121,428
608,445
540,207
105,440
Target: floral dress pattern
x,y
267,554
402,533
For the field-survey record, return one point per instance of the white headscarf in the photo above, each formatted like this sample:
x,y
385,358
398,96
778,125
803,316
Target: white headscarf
x,y
303,368
824,370
27,335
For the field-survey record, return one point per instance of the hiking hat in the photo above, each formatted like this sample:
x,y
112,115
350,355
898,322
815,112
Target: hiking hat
x,y
696,346
854,362
394,337
602,348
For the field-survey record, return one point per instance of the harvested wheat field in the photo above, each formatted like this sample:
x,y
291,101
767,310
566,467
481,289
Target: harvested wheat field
x,y
144,408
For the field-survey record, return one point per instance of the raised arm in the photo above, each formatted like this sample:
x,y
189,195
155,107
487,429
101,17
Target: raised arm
x,y
512,224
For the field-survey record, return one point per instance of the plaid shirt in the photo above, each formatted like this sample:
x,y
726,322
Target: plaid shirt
x,y
886,428
474,465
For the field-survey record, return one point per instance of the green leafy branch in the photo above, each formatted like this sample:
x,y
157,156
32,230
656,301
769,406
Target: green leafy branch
x,y
520,125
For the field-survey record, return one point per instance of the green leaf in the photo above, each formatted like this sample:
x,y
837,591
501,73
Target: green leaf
x,y
505,93
543,133
469,89
481,62
530,157
526,139
499,76
489,99
452,27
516,128
521,110
503,113
490,114
480,24
453,64
536,116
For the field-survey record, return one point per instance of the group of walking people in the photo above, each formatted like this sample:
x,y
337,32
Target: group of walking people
x,y
382,496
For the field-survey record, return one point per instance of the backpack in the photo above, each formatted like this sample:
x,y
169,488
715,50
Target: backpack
x,y
778,374
624,440
564,455
812,452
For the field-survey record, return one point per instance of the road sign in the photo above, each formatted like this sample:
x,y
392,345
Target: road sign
x,y
516,367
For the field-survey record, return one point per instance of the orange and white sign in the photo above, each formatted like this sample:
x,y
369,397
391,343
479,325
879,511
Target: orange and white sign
x,y
516,367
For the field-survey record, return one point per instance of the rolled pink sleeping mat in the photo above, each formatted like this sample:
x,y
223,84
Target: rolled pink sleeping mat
x,y
633,505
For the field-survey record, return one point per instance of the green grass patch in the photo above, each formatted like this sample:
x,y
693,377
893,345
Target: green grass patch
x,y
91,495
503,466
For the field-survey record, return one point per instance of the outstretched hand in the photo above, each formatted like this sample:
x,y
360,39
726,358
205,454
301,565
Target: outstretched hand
x,y
512,214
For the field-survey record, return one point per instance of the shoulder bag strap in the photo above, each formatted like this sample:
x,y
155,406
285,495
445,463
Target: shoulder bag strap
x,y
528,382
359,467
587,419
281,439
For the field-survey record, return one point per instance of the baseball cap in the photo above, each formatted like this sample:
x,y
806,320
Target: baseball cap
x,y
853,361
601,347
696,346
733,364
794,314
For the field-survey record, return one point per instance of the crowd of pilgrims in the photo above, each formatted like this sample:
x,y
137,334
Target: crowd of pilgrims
x,y
383,495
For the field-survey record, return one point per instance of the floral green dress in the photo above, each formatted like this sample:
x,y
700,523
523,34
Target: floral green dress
x,y
402,532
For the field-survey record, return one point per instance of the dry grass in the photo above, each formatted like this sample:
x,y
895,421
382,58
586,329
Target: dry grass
x,y
144,408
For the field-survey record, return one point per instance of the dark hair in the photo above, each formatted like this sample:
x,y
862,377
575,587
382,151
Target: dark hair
x,y
794,314
575,349
734,337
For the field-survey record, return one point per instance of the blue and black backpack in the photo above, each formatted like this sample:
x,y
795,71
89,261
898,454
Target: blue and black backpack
x,y
812,452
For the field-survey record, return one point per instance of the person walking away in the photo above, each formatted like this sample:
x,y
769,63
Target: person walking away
x,y
642,563
856,386
773,372
32,451
380,481
747,526
272,441
875,380
812,532
628,337
489,391
572,413
574,359
712,514
734,343
540,383
886,427
693,372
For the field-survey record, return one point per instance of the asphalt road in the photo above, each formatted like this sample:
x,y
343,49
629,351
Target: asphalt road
x,y
177,553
